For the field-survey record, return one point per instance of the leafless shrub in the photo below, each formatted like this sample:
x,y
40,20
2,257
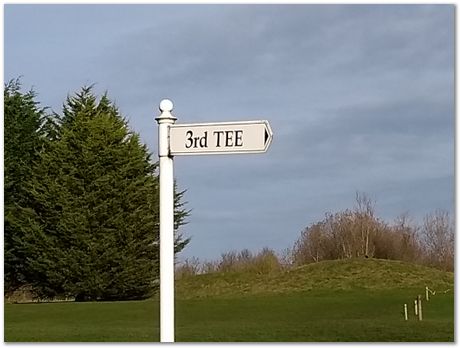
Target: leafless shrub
x,y
264,262
210,267
286,258
189,267
347,234
409,247
228,262
439,239
360,233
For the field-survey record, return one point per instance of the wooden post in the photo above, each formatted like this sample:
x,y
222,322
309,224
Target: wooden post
x,y
419,300
405,311
416,307
426,293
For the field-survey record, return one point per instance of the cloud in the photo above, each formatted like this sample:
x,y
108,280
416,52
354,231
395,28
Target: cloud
x,y
359,98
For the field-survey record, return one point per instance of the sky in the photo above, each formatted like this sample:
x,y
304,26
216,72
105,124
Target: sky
x,y
360,98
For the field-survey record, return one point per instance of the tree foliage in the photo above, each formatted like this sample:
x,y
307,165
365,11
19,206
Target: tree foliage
x,y
91,230
23,139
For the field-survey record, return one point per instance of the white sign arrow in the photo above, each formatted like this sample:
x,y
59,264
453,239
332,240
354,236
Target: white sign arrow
x,y
220,138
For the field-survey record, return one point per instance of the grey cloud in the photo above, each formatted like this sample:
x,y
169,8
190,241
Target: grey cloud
x,y
359,98
409,117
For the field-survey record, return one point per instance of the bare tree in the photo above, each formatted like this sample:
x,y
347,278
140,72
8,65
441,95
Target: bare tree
x,y
409,244
189,267
365,214
439,240
360,233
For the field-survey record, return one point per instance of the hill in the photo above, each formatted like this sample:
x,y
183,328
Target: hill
x,y
351,274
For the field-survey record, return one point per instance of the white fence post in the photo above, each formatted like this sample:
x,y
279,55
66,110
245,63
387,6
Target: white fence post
x,y
419,300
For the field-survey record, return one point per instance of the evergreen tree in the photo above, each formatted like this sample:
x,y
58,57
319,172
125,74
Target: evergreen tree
x,y
23,138
94,228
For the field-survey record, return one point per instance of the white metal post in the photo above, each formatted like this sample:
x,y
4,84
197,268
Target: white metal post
x,y
166,223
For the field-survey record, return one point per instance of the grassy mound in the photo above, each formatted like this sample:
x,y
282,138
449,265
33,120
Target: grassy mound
x,y
369,274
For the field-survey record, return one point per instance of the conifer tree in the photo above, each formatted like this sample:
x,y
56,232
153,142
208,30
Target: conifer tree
x,y
94,227
23,138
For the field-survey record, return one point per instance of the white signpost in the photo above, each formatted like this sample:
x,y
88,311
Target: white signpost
x,y
192,139
220,138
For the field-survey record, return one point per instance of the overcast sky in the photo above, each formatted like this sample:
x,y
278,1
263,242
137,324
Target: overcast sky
x,y
359,98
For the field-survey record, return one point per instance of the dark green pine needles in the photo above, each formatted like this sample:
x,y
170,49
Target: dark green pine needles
x,y
92,229
23,138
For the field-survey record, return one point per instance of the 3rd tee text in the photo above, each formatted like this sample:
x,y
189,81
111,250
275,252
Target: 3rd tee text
x,y
227,138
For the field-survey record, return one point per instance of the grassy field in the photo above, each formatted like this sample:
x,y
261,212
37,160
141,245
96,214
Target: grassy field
x,y
318,316
334,301
130,321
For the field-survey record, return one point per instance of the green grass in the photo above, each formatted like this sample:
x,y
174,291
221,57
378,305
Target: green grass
x,y
316,316
131,321
334,301
354,274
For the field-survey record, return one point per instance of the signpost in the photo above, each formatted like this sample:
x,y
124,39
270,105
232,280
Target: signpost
x,y
220,138
192,139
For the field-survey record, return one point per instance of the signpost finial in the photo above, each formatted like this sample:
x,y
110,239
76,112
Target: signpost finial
x,y
166,105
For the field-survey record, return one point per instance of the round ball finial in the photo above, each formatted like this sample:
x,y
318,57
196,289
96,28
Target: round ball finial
x,y
166,105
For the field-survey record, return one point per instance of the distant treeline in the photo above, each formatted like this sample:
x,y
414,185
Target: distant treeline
x,y
352,233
